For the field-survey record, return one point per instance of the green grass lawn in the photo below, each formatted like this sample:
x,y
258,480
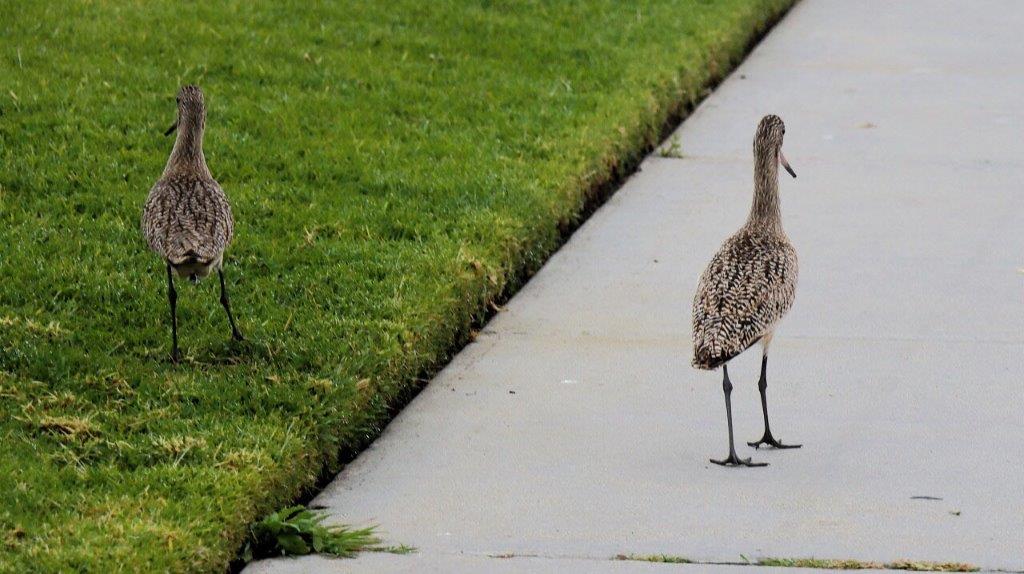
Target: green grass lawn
x,y
393,166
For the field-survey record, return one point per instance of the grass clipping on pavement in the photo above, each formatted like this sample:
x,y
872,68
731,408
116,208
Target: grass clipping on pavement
x,y
394,168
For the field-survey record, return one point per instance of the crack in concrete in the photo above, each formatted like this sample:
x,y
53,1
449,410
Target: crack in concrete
x,y
894,565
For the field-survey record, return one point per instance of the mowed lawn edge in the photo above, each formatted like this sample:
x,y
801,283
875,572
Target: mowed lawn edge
x,y
394,170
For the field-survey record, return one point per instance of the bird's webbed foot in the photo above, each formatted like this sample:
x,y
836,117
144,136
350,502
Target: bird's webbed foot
x,y
769,441
734,460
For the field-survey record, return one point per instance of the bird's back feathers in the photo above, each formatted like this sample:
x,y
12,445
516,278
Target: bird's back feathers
x,y
745,290
187,220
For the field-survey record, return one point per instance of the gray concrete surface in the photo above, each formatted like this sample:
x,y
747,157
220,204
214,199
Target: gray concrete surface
x,y
574,425
431,563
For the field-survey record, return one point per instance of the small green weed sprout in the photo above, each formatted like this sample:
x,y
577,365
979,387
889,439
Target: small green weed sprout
x,y
674,149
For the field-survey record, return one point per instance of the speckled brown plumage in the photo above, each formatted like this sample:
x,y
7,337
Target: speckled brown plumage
x,y
187,218
751,282
747,288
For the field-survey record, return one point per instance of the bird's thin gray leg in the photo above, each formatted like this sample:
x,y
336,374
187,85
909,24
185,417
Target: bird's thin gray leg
x,y
172,297
767,439
732,460
235,333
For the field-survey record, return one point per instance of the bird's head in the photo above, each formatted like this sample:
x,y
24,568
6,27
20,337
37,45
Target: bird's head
x,y
191,109
768,141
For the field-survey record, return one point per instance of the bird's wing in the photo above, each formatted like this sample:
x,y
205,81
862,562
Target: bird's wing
x,y
215,225
187,218
748,286
155,216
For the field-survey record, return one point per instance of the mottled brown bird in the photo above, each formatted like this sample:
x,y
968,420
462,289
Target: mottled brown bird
x,y
187,219
749,284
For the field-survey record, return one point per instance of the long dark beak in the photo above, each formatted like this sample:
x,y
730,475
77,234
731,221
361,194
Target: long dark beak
x,y
174,126
785,164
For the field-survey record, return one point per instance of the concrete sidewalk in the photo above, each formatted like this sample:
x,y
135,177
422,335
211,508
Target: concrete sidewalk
x,y
574,425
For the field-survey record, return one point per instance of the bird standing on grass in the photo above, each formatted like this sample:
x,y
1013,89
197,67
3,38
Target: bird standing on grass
x,y
187,219
749,284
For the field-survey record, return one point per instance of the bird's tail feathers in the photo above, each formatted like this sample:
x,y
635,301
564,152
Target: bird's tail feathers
x,y
705,360
189,257
193,265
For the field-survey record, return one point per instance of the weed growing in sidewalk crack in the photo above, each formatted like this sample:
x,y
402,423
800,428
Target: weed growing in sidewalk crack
x,y
913,565
661,558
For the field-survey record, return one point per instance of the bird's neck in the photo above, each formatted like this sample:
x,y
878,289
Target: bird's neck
x,y
765,210
187,156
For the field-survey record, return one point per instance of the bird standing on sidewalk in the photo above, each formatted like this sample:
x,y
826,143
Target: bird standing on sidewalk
x,y
187,219
749,284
